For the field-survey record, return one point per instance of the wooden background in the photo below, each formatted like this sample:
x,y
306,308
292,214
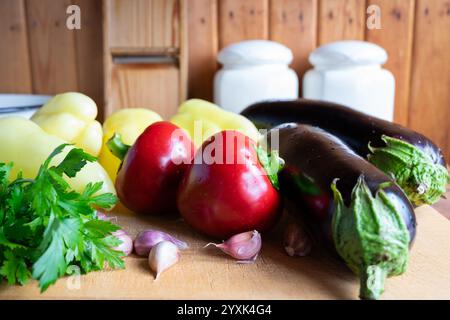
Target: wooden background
x,y
39,54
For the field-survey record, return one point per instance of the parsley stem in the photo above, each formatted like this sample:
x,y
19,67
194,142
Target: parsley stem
x,y
18,181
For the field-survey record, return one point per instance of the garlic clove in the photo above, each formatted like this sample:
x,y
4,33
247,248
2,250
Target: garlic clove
x,y
147,239
127,243
248,261
162,256
103,216
297,242
244,246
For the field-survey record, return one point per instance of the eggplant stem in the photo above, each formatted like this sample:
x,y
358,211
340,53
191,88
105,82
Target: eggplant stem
x,y
372,282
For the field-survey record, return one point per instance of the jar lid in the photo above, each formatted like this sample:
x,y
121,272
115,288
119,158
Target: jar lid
x,y
255,52
347,53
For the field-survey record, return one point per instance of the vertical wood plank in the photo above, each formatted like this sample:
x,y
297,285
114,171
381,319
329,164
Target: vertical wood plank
x,y
146,86
165,23
430,83
52,47
89,50
130,23
396,36
183,58
144,23
341,20
107,59
242,20
203,46
294,23
14,60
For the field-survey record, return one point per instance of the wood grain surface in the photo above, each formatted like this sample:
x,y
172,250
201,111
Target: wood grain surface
x,y
294,24
397,15
145,86
430,111
341,20
203,46
52,47
443,205
242,20
15,64
149,30
206,273
143,23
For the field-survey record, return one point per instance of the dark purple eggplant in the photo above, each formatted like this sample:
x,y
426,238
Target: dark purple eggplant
x,y
350,204
412,159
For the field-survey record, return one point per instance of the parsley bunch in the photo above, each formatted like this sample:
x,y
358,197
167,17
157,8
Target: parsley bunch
x,y
45,226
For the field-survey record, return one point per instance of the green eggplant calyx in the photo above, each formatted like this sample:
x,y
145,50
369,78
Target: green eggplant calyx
x,y
117,147
370,236
423,181
272,164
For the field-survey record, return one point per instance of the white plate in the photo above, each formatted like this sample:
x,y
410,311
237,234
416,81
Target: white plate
x,y
24,105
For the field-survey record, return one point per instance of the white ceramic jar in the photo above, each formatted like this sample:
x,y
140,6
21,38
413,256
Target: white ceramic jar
x,y
253,71
350,73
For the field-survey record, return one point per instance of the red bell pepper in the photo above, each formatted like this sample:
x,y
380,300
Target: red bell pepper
x,y
227,190
152,168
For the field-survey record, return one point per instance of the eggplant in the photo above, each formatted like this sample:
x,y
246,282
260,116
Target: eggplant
x,y
347,202
412,159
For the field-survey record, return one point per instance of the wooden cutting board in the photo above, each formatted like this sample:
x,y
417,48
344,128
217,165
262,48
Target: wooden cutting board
x,y
209,274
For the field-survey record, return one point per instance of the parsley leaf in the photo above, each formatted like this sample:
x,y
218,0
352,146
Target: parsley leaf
x,y
45,227
74,161
14,269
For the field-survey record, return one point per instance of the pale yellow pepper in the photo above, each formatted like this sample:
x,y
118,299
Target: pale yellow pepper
x,y
201,119
25,144
129,123
71,117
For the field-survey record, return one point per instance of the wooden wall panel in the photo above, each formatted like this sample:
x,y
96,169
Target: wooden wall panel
x,y
341,20
294,24
430,85
396,36
144,23
242,20
146,86
89,50
136,15
52,47
203,47
165,23
147,30
183,55
40,55
15,72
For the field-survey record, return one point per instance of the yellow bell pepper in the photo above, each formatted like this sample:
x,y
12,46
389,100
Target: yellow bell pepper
x,y
25,144
129,123
71,117
201,119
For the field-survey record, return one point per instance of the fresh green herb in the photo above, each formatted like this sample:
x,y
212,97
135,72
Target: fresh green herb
x,y
45,227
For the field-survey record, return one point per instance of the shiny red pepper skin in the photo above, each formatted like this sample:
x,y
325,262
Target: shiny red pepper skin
x,y
148,178
223,199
